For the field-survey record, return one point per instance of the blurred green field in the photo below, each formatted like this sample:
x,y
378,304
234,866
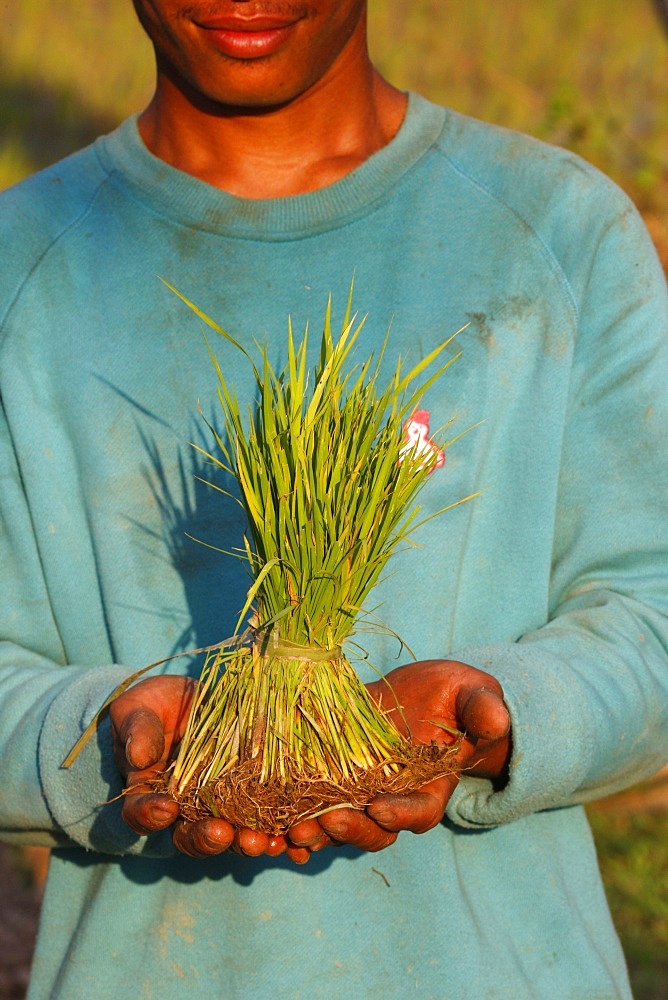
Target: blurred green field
x,y
633,852
589,76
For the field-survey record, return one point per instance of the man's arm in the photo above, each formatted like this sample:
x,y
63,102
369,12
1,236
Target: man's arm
x,y
587,689
46,702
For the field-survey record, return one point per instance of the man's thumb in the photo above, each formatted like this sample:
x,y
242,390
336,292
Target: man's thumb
x,y
482,713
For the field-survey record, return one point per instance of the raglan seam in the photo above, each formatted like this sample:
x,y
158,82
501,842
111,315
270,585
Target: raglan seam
x,y
547,252
41,257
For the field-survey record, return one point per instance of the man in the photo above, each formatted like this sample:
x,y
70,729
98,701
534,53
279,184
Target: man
x,y
272,163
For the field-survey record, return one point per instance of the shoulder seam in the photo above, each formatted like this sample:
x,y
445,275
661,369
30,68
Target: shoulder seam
x,y
546,250
48,248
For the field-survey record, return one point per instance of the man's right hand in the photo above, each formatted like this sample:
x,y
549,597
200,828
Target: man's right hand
x,y
148,721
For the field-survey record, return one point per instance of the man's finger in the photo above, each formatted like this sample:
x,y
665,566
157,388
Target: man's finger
x,y
350,826
204,838
252,843
147,812
298,855
416,811
276,844
309,833
142,739
482,713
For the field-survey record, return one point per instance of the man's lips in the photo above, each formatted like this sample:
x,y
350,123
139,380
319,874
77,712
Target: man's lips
x,y
248,38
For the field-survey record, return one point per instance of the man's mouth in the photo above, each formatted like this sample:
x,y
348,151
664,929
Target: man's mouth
x,y
248,37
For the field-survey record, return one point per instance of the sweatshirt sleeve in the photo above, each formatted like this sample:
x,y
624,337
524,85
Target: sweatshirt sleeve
x,y
588,692
45,704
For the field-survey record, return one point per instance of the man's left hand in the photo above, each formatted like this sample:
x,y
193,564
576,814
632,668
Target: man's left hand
x,y
424,697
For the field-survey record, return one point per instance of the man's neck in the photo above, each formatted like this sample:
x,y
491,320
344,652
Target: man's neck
x,y
298,147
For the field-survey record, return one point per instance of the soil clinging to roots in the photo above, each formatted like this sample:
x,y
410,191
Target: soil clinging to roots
x,y
240,797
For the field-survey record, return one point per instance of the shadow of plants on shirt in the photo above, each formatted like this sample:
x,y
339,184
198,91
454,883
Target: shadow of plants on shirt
x,y
198,517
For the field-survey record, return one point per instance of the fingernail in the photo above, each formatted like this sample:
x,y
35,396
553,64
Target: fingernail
x,y
337,830
161,814
386,817
213,843
136,765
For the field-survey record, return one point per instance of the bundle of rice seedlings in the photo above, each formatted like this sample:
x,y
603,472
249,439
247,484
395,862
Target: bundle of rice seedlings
x,y
281,727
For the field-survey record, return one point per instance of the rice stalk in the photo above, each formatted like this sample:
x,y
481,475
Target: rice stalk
x,y
281,726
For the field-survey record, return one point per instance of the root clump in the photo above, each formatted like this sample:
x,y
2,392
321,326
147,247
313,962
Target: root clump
x,y
242,798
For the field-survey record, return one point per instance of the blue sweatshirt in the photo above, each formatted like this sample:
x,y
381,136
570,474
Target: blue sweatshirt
x,y
555,579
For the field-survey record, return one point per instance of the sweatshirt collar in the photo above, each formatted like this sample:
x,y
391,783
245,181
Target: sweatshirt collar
x,y
189,201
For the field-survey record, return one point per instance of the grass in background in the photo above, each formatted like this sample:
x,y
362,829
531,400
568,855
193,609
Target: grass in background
x,y
589,76
633,853
68,72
